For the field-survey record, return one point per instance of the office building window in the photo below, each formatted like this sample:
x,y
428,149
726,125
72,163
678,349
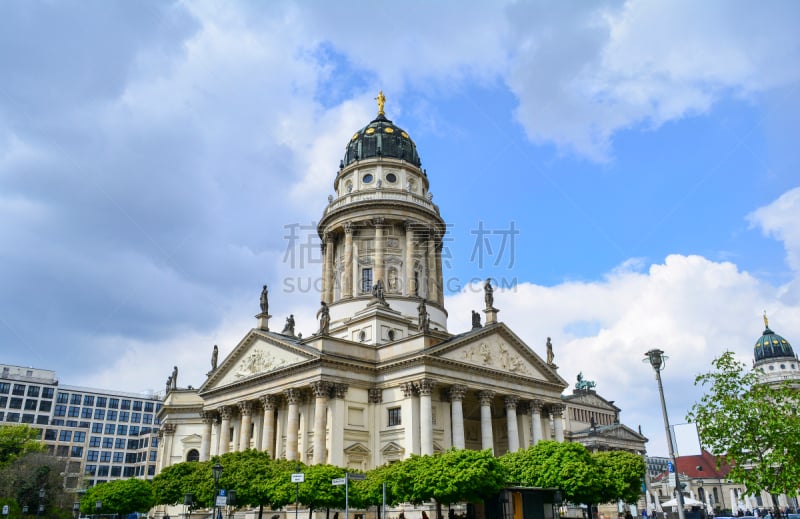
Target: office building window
x,y
394,416
108,443
124,416
33,391
151,470
42,419
147,418
74,411
3,401
128,472
101,401
62,398
122,430
133,444
76,399
94,441
116,472
126,404
110,428
105,456
86,412
76,452
12,417
97,427
102,470
72,423
27,418
19,389
136,417
62,451
45,405
16,403
119,443
155,443
113,403
55,421
99,414
118,457
79,436
148,407
130,457
50,434
111,415
5,388
30,404
133,430
65,436
153,455
88,400
47,392
90,469
137,405
60,410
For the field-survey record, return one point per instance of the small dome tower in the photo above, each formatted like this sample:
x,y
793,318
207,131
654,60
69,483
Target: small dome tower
x,y
774,357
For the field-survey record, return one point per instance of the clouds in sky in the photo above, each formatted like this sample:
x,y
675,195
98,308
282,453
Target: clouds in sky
x,y
151,154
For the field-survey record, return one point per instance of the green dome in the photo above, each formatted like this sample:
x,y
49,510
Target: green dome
x,y
381,138
771,345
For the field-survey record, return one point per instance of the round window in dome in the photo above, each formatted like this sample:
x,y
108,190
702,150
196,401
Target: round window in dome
x,y
772,368
367,178
783,366
391,178
388,130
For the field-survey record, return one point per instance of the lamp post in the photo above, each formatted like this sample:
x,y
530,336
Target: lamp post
x,y
98,505
40,509
297,492
658,360
216,472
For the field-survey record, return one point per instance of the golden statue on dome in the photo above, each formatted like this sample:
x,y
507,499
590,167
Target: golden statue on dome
x,y
766,321
381,102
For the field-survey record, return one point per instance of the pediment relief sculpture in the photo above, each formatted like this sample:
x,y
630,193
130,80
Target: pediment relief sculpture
x,y
258,362
496,355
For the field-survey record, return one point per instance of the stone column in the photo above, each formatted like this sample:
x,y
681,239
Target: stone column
x,y
426,415
245,411
224,429
379,265
347,278
268,428
338,421
511,402
328,282
205,441
536,421
408,288
438,274
432,282
487,440
457,394
217,428
320,390
292,422
410,419
556,412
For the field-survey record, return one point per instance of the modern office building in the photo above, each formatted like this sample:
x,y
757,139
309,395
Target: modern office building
x,y
100,434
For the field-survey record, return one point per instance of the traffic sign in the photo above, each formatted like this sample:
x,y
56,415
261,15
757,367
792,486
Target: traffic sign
x,y
670,466
357,477
338,481
5,509
298,477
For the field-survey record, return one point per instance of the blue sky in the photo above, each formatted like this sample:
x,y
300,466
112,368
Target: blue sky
x,y
154,156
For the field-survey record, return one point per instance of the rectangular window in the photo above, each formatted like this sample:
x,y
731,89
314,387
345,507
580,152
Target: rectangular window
x,y
110,428
47,392
76,452
127,472
88,400
50,434
90,469
19,389
16,403
56,422
27,418
366,280
97,427
12,417
151,470
62,398
101,401
105,456
113,403
62,451
72,423
42,419
148,407
133,444
123,416
394,416
137,405
126,404
33,391
45,405
116,472
3,401
76,399
99,414
155,443
147,418
133,430
79,436
5,387
153,455
136,417
130,457
74,411
118,457
60,410
108,443
94,441
111,415
86,412
102,470
65,436
30,404
122,430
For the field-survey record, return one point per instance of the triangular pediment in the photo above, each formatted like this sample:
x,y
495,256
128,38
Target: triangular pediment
x,y
192,439
258,354
588,398
497,348
357,448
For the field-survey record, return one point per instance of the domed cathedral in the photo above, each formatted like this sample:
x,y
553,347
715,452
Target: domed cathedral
x,y
774,358
381,378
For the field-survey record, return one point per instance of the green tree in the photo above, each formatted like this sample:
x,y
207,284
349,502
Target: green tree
x,y
174,482
22,479
258,480
370,491
621,473
317,493
18,440
121,496
751,427
567,466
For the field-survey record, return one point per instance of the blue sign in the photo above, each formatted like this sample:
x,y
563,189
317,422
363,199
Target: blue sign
x,y
223,492
670,466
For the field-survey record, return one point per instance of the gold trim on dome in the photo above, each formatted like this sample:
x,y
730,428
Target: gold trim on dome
x,y
404,134
388,130
370,131
355,136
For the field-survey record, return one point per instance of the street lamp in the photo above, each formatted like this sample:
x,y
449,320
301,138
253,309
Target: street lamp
x,y
41,506
216,472
97,506
658,360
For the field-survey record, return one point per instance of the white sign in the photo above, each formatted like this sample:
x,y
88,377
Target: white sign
x,y
357,477
5,509
222,500
672,479
298,477
338,481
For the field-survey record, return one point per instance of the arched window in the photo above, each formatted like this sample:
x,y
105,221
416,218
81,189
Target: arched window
x,y
193,455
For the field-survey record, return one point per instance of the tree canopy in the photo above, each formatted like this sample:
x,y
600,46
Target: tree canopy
x,y
18,440
750,426
121,496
